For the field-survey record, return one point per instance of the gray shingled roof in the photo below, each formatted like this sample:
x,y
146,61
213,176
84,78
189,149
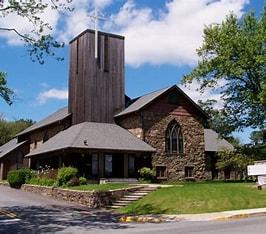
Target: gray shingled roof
x,y
10,146
142,101
148,98
97,136
213,143
56,116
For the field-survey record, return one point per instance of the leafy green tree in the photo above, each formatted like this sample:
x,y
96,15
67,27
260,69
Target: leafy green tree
x,y
217,120
257,137
39,42
235,51
236,160
9,129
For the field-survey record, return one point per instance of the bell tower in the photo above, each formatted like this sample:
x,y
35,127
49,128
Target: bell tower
x,y
96,83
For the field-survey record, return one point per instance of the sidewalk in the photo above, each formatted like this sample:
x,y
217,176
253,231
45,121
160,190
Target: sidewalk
x,y
225,215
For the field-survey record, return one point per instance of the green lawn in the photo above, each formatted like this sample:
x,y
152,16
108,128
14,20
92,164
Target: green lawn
x,y
199,198
100,187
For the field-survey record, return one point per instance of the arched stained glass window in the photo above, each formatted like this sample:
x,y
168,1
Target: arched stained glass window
x,y
174,138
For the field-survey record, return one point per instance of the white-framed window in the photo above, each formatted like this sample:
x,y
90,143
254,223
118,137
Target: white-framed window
x,y
174,138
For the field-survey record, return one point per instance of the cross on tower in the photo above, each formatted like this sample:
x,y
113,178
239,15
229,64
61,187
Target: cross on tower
x,y
95,17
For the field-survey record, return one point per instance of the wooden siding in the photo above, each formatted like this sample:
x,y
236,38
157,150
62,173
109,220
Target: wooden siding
x,y
183,108
96,92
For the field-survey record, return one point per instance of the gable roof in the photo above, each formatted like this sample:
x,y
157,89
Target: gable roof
x,y
214,143
145,100
53,118
91,135
10,146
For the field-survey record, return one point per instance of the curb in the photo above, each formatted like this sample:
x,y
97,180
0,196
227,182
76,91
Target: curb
x,y
193,217
149,219
139,219
239,216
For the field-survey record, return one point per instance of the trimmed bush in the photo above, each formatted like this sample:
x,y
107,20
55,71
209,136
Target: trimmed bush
x,y
18,177
65,174
147,173
82,180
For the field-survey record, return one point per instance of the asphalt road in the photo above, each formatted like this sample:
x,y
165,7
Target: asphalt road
x,y
22,212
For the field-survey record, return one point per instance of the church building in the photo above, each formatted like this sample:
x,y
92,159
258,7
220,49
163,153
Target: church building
x,y
106,134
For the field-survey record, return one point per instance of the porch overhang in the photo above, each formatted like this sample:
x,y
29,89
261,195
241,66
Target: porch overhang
x,y
90,136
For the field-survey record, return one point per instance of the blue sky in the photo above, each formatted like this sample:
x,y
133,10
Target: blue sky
x,y
161,37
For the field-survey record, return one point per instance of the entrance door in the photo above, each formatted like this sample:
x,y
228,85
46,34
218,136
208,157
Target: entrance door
x,y
114,165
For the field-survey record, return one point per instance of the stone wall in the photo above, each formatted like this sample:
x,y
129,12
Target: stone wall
x,y
155,125
133,124
152,123
90,199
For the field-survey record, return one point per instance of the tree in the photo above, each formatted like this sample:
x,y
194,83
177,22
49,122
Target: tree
x,y
257,137
9,129
217,120
235,51
236,160
39,42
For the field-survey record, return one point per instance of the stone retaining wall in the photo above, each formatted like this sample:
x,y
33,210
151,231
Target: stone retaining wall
x,y
91,199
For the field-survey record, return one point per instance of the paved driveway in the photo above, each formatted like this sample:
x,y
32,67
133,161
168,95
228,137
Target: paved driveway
x,y
37,214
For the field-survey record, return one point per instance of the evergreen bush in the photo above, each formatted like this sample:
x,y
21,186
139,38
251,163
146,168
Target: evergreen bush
x,y
65,174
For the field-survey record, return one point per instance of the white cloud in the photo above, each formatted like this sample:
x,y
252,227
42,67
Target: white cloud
x,y
212,94
172,37
65,26
59,94
79,19
168,36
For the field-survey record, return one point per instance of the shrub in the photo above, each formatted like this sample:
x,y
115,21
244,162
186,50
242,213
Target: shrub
x,y
82,180
65,174
147,173
18,177
42,181
74,181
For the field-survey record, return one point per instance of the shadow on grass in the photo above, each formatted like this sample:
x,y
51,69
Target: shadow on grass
x,y
52,219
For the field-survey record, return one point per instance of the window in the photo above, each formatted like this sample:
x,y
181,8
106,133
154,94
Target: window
x,y
189,172
108,165
161,172
173,98
95,166
131,165
174,139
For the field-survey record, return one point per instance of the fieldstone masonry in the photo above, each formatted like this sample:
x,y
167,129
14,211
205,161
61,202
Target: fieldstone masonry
x,y
90,199
151,126
155,125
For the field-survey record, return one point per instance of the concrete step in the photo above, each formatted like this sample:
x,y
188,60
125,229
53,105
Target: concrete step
x,y
139,194
146,191
130,199
132,196
121,202
114,207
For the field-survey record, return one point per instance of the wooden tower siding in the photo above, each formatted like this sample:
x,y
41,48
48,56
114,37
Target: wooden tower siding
x,y
96,86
